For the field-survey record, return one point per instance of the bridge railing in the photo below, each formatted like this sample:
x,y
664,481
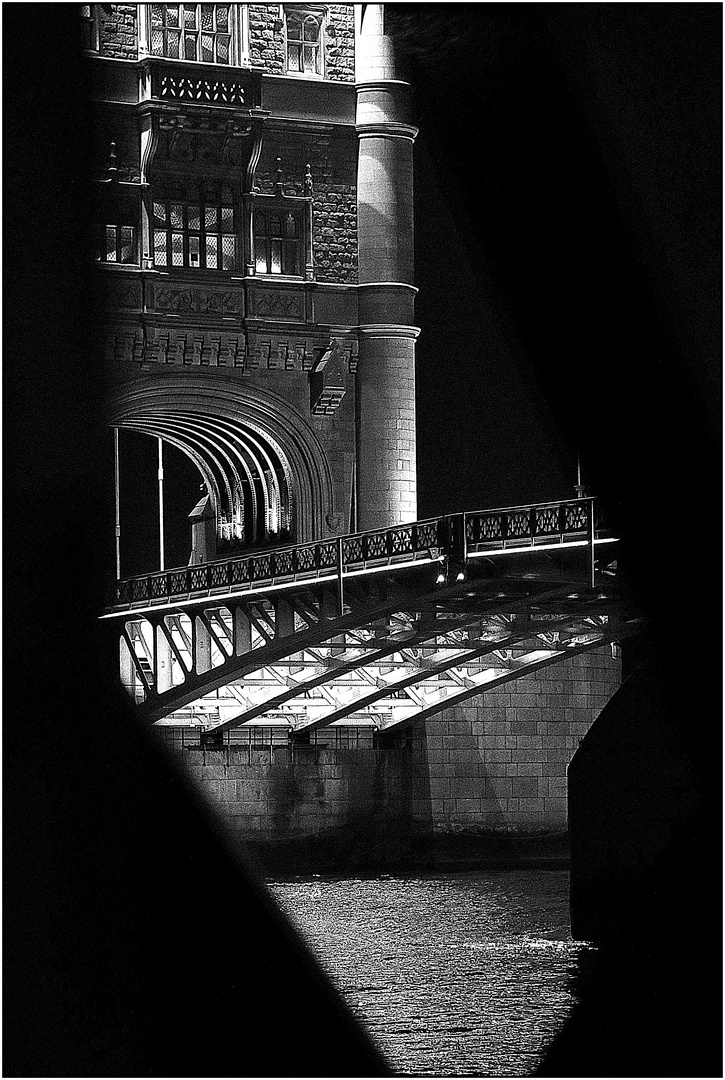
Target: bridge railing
x,y
526,526
414,542
455,536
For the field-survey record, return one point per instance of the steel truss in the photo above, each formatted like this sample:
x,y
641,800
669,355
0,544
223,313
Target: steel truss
x,y
383,648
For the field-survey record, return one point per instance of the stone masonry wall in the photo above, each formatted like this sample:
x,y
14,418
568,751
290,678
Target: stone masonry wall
x,y
267,41
266,38
499,762
386,452
495,765
333,164
118,31
340,43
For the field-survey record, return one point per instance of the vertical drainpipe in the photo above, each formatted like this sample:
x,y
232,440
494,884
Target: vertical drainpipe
x,y
117,489
161,505
386,473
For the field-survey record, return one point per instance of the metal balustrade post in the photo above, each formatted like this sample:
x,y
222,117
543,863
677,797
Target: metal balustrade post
x,y
591,532
340,585
117,483
161,504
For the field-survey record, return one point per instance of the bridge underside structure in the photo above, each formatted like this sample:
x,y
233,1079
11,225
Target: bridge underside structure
x,y
375,630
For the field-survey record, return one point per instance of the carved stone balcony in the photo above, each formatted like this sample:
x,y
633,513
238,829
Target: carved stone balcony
x,y
209,85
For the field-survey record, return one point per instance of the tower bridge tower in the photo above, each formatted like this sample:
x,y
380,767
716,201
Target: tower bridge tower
x,y
253,201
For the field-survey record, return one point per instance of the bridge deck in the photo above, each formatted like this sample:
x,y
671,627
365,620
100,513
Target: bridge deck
x,y
380,628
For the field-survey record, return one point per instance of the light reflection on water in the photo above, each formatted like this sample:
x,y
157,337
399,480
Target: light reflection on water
x,y
452,974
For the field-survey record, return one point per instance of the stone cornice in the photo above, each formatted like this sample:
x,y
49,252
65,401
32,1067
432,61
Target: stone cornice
x,y
387,131
388,330
386,285
380,84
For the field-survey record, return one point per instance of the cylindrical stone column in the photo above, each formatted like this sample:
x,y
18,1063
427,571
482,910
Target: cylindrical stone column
x,y
386,475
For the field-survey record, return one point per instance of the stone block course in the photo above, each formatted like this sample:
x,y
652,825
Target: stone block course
x,y
117,31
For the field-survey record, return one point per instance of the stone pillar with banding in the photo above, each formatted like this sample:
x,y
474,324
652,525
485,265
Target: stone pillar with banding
x,y
386,366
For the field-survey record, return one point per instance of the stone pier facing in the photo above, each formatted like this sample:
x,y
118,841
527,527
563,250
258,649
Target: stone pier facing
x,y
483,781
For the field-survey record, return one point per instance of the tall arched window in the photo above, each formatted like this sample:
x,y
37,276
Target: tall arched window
x,y
304,42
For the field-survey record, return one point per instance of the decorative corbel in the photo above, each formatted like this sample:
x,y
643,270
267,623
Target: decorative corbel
x,y
149,144
235,129
254,156
327,381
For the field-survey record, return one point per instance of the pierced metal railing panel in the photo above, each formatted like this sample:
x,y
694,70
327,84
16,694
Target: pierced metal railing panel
x,y
327,555
426,535
306,558
261,566
547,521
352,550
218,575
401,541
199,578
140,589
518,524
575,517
240,571
178,582
375,545
284,563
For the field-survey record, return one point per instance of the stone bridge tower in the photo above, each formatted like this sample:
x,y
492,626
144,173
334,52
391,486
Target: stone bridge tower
x,y
254,223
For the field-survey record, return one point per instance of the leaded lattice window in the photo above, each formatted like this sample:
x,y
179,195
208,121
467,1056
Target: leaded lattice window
x,y
117,244
195,226
277,240
304,42
200,32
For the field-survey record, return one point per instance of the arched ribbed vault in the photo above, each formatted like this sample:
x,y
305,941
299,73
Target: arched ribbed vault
x,y
262,464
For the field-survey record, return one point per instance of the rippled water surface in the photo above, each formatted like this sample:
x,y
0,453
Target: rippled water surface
x,y
452,974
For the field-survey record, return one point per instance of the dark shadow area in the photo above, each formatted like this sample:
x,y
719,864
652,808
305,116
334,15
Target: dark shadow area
x,y
641,853
578,147
135,945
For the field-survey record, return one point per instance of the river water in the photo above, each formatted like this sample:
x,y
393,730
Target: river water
x,y
464,974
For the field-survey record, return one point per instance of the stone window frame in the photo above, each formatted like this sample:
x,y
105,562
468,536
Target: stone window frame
x,y
239,45
318,12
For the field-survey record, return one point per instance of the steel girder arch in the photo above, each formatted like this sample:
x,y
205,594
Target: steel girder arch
x,y
194,456
254,452
279,469
273,418
175,434
413,696
349,653
199,432
204,431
